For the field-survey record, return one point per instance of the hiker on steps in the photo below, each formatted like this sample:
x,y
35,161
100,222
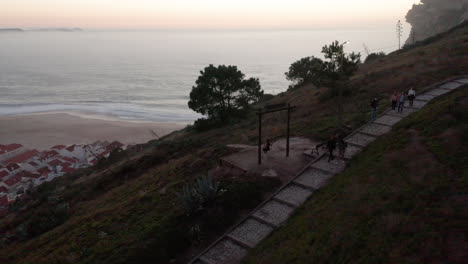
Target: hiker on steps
x,y
394,100
401,102
374,105
342,145
331,145
411,96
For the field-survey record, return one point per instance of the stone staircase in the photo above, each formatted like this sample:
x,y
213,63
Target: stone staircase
x,y
272,213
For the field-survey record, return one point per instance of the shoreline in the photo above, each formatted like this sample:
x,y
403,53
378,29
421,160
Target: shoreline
x,y
45,130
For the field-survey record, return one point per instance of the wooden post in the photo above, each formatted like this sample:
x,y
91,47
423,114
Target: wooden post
x,y
287,131
259,138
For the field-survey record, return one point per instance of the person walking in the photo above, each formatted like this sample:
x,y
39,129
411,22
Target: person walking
x,y
374,105
394,100
331,145
401,102
411,96
342,145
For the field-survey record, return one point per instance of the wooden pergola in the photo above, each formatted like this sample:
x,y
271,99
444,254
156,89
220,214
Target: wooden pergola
x,y
276,108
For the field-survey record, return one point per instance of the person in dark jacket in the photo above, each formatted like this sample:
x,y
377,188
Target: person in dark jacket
x,y
342,145
374,105
331,145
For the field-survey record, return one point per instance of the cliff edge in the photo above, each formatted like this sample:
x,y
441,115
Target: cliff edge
x,y
432,17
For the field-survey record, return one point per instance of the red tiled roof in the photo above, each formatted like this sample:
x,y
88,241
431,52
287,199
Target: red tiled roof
x,y
27,174
4,200
3,189
23,157
4,173
11,147
66,164
71,148
55,162
68,169
13,180
32,163
44,171
50,153
71,160
58,147
12,166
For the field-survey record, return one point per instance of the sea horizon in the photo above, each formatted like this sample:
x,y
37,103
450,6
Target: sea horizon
x,y
147,74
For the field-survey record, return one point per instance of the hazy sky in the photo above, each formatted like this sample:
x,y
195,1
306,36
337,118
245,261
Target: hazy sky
x,y
133,14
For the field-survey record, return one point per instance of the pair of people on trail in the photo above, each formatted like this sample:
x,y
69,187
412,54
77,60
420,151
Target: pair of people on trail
x,y
332,143
398,99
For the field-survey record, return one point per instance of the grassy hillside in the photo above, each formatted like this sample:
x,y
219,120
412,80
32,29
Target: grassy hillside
x,y
127,210
403,200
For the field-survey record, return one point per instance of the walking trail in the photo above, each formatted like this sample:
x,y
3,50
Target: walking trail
x,y
231,247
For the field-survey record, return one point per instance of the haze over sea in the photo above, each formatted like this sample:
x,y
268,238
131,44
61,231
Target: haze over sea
x,y
148,75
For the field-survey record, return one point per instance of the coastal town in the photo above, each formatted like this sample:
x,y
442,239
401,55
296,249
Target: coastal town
x,y
22,169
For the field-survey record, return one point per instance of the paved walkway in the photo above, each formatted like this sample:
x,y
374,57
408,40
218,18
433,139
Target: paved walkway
x,y
234,245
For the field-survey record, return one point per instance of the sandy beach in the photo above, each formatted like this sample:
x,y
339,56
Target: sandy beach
x,y
43,131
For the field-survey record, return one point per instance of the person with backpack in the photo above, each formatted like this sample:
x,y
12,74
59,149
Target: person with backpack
x,y
401,102
374,105
411,96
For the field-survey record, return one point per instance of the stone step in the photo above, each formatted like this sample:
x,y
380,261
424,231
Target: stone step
x,y
375,130
406,112
418,104
313,179
224,252
388,120
273,213
360,140
424,97
251,232
462,81
351,151
333,167
451,85
293,195
438,92
284,202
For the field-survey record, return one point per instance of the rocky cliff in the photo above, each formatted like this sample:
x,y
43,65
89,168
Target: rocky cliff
x,y
435,16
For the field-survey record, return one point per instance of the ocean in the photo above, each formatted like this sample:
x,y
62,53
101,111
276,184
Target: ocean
x,y
148,75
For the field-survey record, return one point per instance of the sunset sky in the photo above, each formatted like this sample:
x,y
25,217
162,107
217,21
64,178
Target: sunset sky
x,y
202,14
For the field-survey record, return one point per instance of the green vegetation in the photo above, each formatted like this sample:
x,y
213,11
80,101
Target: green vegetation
x,y
401,201
375,57
222,93
197,195
337,67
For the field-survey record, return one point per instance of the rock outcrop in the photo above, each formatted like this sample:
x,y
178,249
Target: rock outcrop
x,y
432,17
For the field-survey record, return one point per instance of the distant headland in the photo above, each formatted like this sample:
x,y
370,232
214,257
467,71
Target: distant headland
x,y
41,30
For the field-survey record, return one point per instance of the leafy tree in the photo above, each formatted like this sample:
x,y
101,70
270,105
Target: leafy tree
x,y
337,67
222,92
305,71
